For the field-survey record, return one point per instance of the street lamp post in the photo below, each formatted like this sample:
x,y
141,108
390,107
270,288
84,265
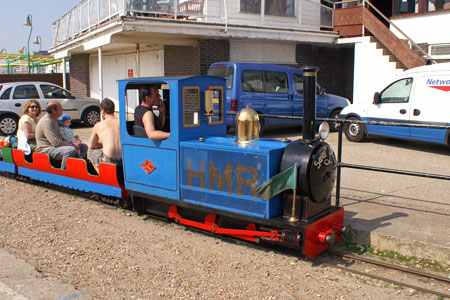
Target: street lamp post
x,y
38,41
29,22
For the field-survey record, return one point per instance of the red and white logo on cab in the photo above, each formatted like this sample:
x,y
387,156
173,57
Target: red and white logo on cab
x,y
440,84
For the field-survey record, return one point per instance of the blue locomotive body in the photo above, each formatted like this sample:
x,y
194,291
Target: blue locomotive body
x,y
219,173
198,163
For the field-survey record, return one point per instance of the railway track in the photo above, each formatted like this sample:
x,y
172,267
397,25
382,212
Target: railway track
x,y
419,275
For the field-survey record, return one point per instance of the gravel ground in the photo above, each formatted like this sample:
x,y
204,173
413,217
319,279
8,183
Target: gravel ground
x,y
111,253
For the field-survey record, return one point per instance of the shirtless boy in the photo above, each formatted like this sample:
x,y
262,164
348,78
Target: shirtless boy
x,y
104,143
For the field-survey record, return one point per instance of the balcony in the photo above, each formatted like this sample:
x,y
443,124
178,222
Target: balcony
x,y
300,15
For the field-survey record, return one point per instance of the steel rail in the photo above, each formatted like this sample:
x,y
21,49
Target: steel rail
x,y
399,283
390,266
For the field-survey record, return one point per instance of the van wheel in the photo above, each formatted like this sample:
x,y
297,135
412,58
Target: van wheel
x,y
355,132
8,125
334,115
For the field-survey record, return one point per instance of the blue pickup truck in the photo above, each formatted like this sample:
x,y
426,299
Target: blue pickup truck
x,y
273,90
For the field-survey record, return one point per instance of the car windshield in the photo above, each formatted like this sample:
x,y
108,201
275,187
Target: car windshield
x,y
54,92
226,73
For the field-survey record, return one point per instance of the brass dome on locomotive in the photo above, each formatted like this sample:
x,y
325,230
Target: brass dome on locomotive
x,y
247,123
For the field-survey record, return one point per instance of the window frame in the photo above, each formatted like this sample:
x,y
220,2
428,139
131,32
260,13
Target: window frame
x,y
55,87
197,88
266,82
27,97
221,108
262,90
391,85
8,90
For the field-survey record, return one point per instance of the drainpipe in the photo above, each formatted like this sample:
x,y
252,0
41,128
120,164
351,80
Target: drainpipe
x,y
100,72
138,60
64,73
263,5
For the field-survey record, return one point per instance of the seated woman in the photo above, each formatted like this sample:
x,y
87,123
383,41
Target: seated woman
x,y
26,139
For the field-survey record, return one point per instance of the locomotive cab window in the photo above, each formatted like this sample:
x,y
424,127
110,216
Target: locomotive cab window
x,y
132,101
191,106
214,105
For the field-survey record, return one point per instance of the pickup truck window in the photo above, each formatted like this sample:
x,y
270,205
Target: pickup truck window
x,y
397,92
26,91
276,82
226,73
252,81
298,83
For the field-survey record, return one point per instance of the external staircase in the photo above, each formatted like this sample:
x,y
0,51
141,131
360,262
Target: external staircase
x,y
360,21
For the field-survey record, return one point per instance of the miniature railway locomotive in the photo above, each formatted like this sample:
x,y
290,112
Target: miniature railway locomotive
x,y
201,177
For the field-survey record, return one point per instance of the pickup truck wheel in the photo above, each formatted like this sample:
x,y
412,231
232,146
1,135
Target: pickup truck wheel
x,y
91,116
8,125
355,132
261,126
334,115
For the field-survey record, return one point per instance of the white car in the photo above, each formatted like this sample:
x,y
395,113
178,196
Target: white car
x,y
14,95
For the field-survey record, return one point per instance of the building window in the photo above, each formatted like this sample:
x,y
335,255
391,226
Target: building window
x,y
419,6
434,5
251,6
405,6
279,8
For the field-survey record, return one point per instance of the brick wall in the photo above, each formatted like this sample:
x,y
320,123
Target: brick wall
x,y
181,61
55,78
189,61
212,51
336,67
79,74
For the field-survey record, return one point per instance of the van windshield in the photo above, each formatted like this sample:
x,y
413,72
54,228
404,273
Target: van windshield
x,y
226,73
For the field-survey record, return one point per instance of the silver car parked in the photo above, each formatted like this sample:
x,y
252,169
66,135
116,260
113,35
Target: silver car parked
x,y
14,95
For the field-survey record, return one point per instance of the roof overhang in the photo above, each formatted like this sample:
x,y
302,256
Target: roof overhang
x,y
128,32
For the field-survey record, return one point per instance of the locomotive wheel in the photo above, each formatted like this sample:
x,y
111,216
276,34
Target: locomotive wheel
x,y
126,203
355,132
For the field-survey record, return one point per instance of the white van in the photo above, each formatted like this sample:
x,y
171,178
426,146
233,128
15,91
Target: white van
x,y
419,95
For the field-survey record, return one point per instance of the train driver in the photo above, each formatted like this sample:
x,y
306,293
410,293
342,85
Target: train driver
x,y
150,113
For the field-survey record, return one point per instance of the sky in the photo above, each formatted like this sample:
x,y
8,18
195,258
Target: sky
x,y
14,35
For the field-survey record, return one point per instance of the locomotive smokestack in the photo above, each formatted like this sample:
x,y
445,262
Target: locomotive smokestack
x,y
309,103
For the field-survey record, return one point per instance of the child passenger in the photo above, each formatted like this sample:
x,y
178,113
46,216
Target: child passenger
x,y
67,133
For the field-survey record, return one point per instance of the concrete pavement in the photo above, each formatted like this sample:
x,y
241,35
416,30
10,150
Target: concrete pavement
x,y
21,281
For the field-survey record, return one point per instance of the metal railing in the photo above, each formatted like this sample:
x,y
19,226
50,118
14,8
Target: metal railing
x,y
84,16
341,164
354,3
90,14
